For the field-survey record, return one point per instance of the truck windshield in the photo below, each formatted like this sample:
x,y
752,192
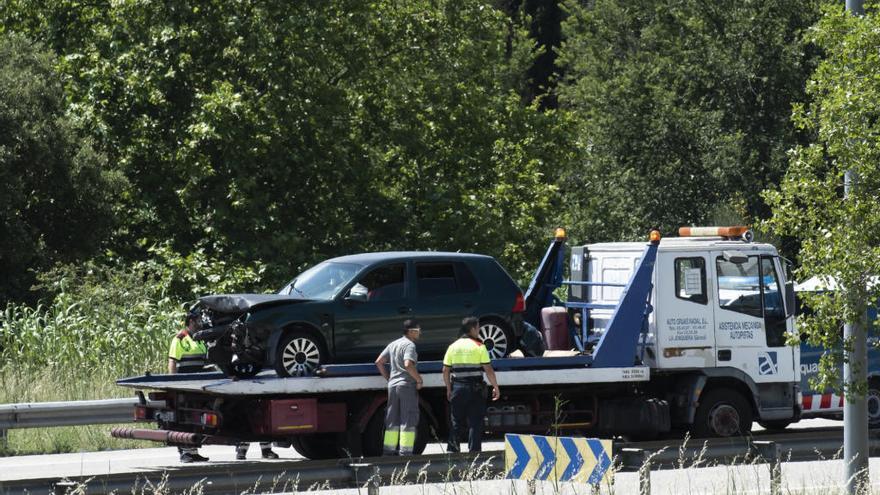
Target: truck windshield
x,y
322,281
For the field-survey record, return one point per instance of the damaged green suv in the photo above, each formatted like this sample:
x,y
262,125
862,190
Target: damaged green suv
x,y
347,309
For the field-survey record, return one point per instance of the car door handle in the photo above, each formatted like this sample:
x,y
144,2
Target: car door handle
x,y
404,309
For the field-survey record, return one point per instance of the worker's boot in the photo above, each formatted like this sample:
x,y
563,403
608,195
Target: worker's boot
x,y
269,454
188,457
241,452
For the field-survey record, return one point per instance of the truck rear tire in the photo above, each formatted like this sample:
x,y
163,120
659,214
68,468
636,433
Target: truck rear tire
x,y
722,412
375,432
315,446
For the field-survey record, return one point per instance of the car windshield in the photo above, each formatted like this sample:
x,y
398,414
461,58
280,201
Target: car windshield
x,y
322,281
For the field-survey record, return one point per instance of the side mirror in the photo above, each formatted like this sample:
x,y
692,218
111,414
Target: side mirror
x,y
789,298
358,293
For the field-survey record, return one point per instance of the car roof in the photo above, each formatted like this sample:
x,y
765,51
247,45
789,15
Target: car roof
x,y
370,258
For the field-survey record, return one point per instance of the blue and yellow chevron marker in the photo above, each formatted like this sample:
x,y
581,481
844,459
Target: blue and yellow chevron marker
x,y
535,457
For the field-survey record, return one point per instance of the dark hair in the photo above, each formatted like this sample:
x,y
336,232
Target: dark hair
x,y
410,324
468,323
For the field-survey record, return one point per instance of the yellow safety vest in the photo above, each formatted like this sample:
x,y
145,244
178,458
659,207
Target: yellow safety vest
x,y
466,357
189,354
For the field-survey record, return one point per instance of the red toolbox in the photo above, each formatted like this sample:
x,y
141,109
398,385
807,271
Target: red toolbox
x,y
283,417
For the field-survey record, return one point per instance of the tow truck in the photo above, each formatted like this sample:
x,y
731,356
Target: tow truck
x,y
675,334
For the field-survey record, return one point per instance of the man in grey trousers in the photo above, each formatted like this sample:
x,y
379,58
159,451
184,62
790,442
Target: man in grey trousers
x,y
404,382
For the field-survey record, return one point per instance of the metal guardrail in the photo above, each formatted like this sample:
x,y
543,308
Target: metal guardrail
x,y
74,413
299,475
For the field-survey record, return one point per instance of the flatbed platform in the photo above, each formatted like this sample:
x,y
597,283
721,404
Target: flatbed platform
x,y
355,380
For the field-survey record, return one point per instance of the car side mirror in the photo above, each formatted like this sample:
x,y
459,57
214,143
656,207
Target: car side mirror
x,y
358,293
789,298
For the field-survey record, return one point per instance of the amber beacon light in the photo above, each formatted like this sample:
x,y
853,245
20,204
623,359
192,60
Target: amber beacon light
x,y
560,233
729,232
654,236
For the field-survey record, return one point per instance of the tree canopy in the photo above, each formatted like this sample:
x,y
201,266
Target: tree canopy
x,y
683,107
55,189
840,237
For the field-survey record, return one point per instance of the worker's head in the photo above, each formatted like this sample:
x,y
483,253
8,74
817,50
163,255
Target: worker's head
x,y
470,326
411,329
191,320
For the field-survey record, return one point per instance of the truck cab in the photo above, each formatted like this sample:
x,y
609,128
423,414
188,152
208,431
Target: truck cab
x,y
723,307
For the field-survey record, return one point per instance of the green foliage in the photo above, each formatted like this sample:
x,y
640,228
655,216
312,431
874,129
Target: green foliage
x,y
839,237
290,132
55,192
116,319
683,108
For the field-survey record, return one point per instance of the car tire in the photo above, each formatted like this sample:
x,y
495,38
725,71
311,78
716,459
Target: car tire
x,y
722,412
239,370
299,353
498,337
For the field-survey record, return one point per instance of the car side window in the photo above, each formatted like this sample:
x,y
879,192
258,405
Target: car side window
x,y
386,283
690,279
435,279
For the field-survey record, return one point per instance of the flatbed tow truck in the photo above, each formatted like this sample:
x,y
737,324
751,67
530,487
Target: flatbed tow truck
x,y
651,357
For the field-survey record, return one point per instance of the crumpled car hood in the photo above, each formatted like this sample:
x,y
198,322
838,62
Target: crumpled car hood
x,y
239,303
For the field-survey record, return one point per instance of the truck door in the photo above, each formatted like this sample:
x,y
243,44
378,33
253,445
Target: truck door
x,y
751,321
685,325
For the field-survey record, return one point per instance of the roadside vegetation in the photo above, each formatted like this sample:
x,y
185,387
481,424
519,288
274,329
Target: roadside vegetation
x,y
103,323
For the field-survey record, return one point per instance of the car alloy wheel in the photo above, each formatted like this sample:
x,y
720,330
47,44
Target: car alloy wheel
x,y
301,356
495,339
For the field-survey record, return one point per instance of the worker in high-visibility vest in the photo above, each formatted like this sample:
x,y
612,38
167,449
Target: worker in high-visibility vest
x,y
463,366
187,356
404,383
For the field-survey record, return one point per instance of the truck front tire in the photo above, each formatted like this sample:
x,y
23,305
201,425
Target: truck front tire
x,y
722,412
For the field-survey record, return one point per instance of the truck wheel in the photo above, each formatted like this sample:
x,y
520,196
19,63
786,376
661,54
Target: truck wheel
x,y
299,354
872,399
497,337
775,425
315,446
374,434
722,413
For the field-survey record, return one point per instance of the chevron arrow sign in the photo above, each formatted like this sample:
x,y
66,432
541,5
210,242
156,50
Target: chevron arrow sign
x,y
535,457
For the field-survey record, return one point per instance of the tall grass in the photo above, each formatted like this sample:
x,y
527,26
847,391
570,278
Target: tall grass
x,y
102,321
